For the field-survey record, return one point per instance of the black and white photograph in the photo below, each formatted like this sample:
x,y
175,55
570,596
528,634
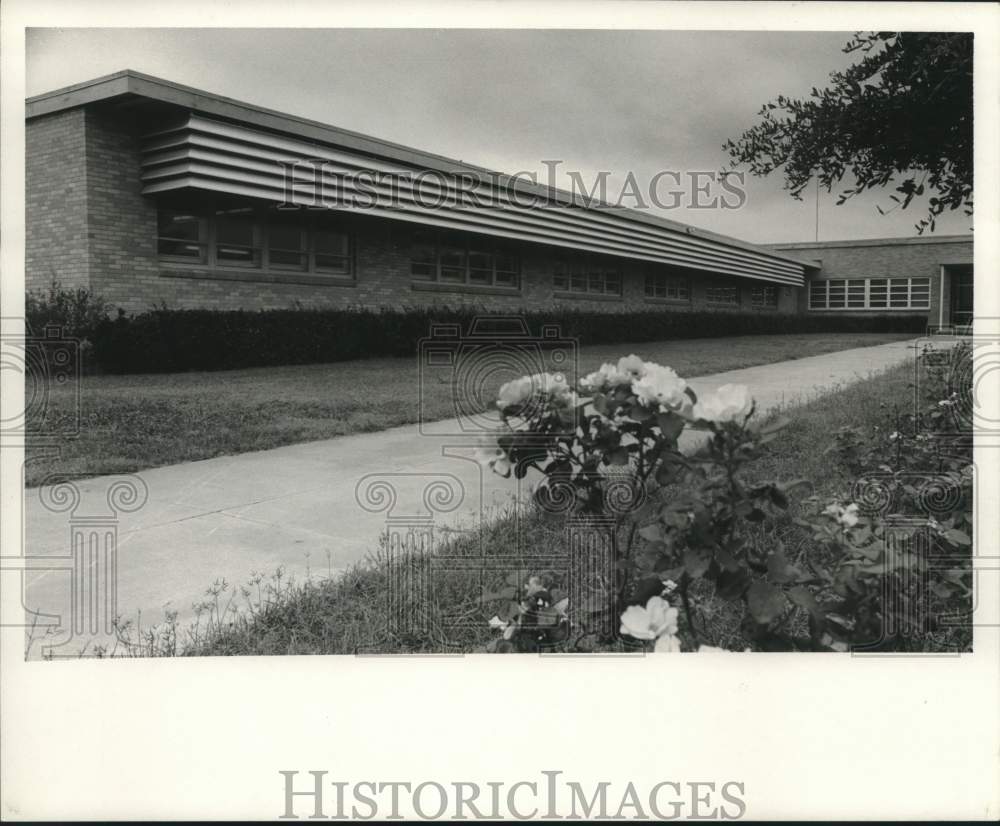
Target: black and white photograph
x,y
369,347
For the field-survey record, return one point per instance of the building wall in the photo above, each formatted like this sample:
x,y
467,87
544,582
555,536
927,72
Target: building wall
x,y
88,218
887,258
56,201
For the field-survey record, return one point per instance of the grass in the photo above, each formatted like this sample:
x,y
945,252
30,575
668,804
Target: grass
x,y
129,423
349,613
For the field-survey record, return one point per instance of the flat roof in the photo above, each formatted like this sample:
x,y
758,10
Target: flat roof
x,y
129,83
875,242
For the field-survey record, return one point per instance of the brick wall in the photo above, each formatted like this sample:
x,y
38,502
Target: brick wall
x,y
55,201
893,258
87,217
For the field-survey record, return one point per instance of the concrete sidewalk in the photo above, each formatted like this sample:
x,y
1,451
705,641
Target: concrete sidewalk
x,y
311,508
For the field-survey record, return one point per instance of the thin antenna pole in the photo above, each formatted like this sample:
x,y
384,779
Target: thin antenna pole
x,y
817,207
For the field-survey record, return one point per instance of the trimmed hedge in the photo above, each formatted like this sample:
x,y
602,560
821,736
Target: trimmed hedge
x,y
177,340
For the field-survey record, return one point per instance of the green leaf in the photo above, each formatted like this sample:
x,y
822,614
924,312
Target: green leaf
x,y
779,569
957,537
652,533
649,586
803,597
618,456
731,584
726,560
695,562
766,602
639,413
778,498
670,425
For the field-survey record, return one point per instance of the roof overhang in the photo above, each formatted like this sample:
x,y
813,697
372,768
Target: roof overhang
x,y
217,144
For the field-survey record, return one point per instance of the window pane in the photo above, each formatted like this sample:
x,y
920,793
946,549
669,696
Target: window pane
x,y
817,295
578,282
453,264
423,261
284,237
878,291
506,262
899,292
920,293
612,283
179,225
480,267
837,291
330,241
723,295
339,264
282,259
287,247
181,234
235,236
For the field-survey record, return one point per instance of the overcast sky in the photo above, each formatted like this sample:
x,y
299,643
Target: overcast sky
x,y
637,102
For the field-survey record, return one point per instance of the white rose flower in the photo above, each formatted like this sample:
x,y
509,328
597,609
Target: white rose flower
x,y
551,386
489,454
846,517
849,518
667,644
651,622
730,403
660,386
632,366
605,378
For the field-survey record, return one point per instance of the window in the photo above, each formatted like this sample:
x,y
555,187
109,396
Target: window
x,y
878,293
586,277
870,294
287,247
237,238
723,295
331,251
182,236
449,260
248,238
660,285
764,296
817,295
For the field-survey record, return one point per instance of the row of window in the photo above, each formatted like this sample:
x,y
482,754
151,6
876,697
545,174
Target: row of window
x,y
586,277
251,239
466,263
870,294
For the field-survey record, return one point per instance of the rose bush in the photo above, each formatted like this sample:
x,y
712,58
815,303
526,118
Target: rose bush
x,y
686,522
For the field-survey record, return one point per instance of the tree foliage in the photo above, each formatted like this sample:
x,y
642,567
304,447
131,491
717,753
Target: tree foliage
x,y
901,115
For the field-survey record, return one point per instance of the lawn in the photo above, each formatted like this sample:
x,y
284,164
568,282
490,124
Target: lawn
x,y
349,613
128,423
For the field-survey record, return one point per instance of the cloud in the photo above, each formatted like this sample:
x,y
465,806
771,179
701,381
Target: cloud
x,y
619,101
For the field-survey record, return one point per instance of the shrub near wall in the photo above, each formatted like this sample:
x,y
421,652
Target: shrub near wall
x,y
177,340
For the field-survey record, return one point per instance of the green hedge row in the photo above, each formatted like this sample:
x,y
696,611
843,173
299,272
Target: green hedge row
x,y
176,340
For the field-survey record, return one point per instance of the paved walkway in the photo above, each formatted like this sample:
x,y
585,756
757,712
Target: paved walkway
x,y
311,508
